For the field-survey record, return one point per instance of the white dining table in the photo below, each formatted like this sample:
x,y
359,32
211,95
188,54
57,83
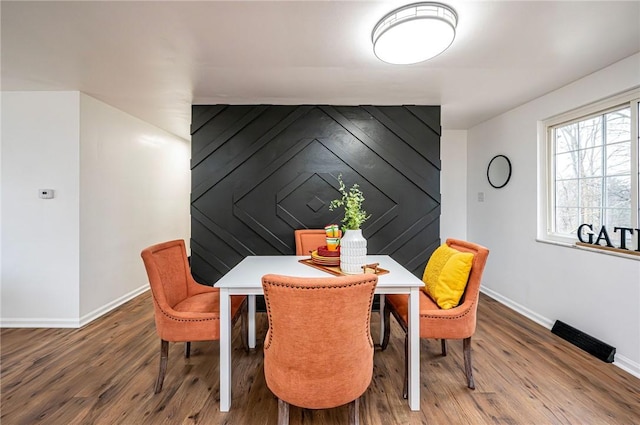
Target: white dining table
x,y
246,279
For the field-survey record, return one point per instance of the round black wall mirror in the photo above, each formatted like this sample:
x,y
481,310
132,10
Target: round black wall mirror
x,y
499,171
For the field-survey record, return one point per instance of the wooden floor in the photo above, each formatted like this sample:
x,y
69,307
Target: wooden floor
x,y
104,374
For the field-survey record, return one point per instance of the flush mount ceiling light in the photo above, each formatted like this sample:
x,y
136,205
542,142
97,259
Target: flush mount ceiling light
x,y
414,33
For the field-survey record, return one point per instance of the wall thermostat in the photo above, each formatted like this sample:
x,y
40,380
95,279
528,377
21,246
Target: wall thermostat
x,y
45,193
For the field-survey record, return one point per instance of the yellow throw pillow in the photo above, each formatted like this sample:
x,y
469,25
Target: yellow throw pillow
x,y
446,275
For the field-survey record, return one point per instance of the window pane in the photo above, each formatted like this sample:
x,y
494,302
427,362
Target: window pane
x,y
591,192
567,220
567,193
619,158
566,166
618,125
617,217
590,132
619,192
591,162
591,216
566,138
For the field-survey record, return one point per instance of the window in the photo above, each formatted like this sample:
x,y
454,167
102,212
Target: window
x,y
592,168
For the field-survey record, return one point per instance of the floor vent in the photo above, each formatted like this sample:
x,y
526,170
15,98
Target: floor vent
x,y
593,346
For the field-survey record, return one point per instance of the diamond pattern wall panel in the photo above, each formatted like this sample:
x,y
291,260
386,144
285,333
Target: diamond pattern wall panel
x,y
260,172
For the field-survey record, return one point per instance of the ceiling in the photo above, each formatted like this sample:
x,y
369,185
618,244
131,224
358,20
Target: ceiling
x,y
154,59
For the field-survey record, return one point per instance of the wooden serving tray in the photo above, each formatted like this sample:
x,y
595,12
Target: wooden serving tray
x,y
335,270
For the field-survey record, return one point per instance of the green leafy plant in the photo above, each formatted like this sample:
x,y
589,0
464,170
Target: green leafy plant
x,y
354,215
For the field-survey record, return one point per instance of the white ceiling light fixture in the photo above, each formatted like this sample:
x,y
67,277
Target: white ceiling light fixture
x,y
414,33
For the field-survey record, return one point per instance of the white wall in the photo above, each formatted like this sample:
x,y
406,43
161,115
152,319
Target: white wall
x,y
121,185
596,293
453,184
0,205
134,192
40,251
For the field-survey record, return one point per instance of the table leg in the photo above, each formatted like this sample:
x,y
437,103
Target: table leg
x,y
225,350
381,318
414,349
251,300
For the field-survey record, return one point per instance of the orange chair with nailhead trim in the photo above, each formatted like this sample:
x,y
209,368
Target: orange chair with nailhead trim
x,y
455,323
185,310
318,351
308,240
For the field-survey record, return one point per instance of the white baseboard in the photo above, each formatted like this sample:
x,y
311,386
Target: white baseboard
x,y
25,322
627,365
89,317
530,314
622,362
71,323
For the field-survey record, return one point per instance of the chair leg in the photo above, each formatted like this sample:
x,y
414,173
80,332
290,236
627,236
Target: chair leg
x,y
354,412
187,349
244,323
466,347
164,355
443,343
387,327
283,412
405,389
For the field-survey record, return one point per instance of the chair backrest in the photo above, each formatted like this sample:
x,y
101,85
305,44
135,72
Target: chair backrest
x,y
318,351
472,291
168,271
308,240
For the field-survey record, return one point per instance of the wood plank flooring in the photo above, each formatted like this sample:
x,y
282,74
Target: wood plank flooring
x,y
104,374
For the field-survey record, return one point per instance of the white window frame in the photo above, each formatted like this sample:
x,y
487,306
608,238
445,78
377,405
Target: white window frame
x,y
546,161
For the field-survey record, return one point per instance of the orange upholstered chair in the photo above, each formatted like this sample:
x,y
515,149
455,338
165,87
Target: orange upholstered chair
x,y
308,240
185,310
318,351
456,323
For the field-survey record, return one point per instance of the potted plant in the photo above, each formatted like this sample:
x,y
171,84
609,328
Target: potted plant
x,y
353,246
354,215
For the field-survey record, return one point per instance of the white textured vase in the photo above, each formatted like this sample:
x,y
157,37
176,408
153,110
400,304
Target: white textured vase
x,y
353,252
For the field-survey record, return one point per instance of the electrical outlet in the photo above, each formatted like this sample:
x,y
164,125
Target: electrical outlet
x,y
480,196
